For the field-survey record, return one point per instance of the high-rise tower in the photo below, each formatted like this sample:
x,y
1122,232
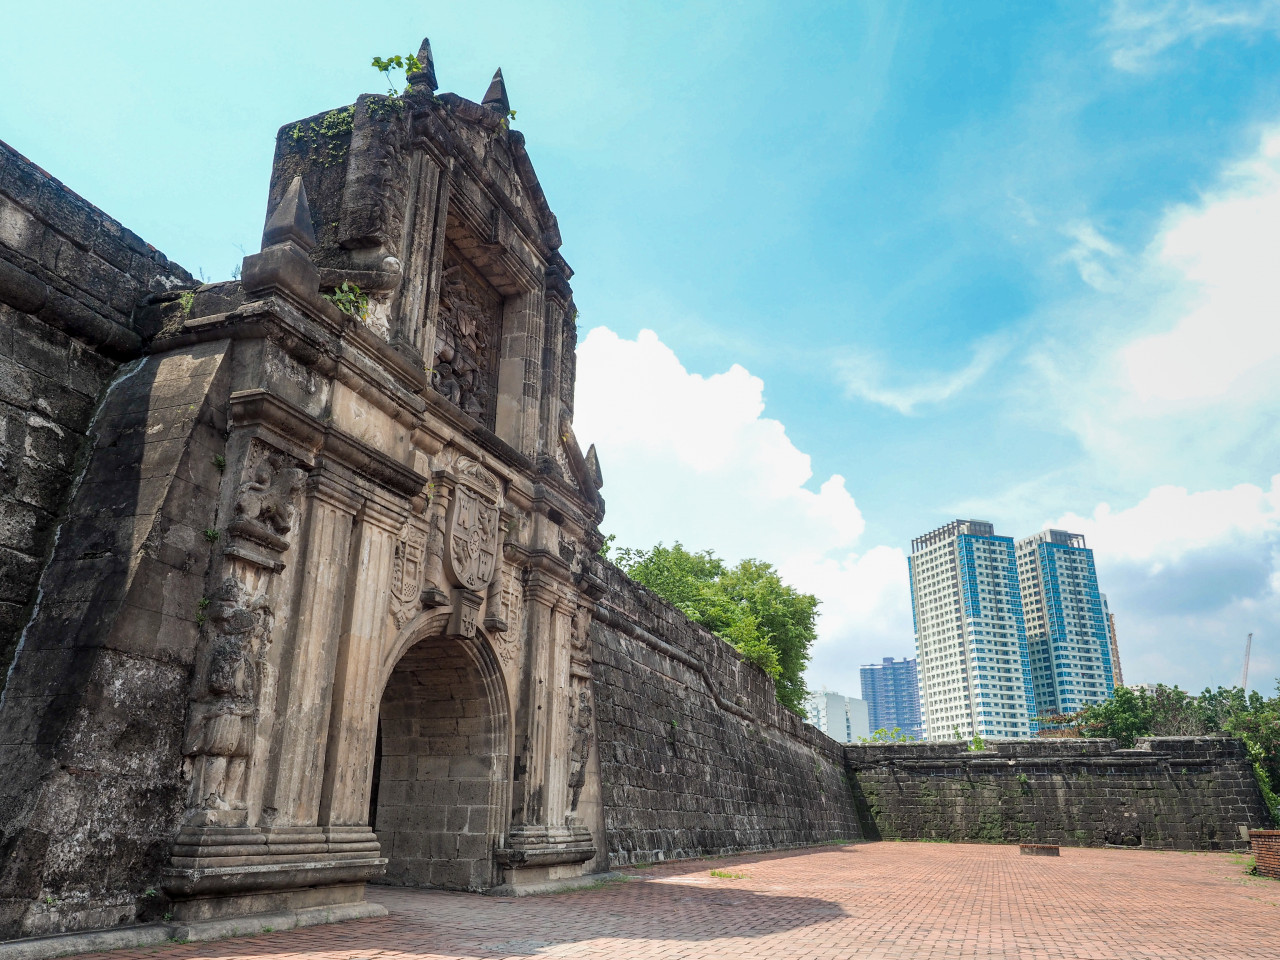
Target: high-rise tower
x,y
1067,634
892,691
975,675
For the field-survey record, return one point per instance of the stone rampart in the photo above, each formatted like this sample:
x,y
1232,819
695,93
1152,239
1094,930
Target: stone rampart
x,y
696,755
1181,793
70,277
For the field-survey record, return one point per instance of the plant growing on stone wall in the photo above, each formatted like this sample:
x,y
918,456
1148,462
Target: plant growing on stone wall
x,y
1130,714
888,736
770,623
349,299
408,64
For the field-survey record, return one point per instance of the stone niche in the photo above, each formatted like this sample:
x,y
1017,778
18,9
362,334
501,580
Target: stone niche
x,y
464,365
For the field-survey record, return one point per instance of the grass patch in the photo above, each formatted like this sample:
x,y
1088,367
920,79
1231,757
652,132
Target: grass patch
x,y
728,875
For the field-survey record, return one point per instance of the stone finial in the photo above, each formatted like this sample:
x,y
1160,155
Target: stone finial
x,y
426,76
496,96
291,219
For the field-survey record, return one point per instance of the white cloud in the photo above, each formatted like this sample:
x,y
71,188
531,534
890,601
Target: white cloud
x,y
1138,31
1171,522
1188,575
1170,367
692,458
864,376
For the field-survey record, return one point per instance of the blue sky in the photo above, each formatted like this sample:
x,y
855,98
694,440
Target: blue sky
x,y
898,263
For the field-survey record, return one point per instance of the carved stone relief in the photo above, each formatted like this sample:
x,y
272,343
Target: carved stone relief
x,y
581,710
233,679
266,507
468,340
407,571
508,642
472,538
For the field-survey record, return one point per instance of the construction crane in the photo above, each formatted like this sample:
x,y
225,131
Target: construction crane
x,y
1244,676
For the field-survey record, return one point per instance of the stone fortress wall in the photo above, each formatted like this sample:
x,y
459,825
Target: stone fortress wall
x,y
70,279
697,757
1171,793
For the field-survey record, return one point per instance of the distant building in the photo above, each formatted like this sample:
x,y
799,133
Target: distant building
x,y
1148,688
1067,634
839,717
892,691
1115,646
966,602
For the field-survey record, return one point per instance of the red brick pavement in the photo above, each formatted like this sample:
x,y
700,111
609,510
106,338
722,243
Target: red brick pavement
x,y
874,900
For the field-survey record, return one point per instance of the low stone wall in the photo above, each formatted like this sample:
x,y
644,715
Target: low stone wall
x,y
1266,852
70,277
1182,793
696,755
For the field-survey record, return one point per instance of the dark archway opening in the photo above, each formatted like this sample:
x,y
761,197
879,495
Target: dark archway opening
x,y
440,767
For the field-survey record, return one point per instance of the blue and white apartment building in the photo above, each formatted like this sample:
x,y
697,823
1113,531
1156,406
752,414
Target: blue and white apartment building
x,y
1073,657
1007,632
971,643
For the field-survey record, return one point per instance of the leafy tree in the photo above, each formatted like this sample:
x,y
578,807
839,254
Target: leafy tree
x,y
1172,712
770,623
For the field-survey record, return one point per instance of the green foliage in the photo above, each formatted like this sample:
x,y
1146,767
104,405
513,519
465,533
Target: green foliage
x,y
770,623
349,299
888,736
220,462
212,535
408,64
728,875
978,744
338,123
1172,712
606,546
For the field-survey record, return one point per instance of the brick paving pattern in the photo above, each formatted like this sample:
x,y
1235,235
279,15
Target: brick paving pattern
x,y
874,900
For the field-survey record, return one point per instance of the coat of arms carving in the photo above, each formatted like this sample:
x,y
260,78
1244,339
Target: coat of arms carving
x,y
473,529
406,573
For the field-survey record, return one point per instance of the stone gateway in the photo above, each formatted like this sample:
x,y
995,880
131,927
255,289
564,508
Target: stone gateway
x,y
310,594
299,573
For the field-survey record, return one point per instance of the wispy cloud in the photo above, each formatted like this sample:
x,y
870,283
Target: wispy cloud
x,y
1093,255
866,377
1139,31
1170,366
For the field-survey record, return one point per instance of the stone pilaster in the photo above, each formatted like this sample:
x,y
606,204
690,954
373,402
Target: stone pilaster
x,y
357,676
306,697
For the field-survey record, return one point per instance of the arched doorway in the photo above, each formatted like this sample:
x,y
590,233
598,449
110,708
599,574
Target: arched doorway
x,y
442,766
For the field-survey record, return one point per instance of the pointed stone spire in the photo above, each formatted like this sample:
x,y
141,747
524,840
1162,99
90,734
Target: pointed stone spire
x,y
424,78
496,96
291,220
